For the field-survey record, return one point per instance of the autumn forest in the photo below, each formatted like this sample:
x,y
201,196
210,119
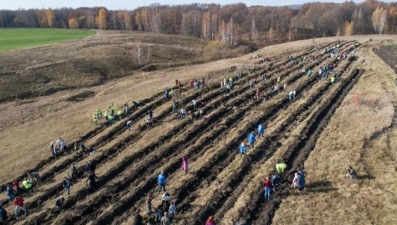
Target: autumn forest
x,y
232,24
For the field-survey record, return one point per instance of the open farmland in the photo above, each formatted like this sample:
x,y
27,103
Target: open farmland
x,y
219,182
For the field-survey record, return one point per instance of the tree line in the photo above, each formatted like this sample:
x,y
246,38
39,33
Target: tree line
x,y
232,24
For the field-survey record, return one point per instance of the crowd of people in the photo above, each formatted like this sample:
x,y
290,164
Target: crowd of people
x,y
166,212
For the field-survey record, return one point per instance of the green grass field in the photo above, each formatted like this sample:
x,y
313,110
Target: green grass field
x,y
30,37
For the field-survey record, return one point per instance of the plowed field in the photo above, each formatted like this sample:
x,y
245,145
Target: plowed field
x,y
219,181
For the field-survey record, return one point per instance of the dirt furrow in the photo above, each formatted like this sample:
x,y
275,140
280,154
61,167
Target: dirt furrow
x,y
262,213
225,191
226,198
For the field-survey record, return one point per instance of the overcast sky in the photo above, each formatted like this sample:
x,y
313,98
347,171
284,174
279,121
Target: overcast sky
x,y
133,4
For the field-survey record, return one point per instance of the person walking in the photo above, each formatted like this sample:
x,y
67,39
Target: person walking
x,y
67,184
185,164
267,184
243,149
261,130
251,139
161,180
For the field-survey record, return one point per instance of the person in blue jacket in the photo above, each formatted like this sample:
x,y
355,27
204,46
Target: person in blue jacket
x,y
161,180
301,180
261,130
243,149
251,139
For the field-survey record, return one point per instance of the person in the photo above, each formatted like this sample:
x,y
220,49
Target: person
x,y
35,176
301,180
351,173
129,123
99,113
267,184
91,181
166,94
165,220
194,103
90,167
148,121
243,149
261,130
135,104
185,164
82,148
27,184
66,183
126,109
295,180
149,203
10,193
73,171
52,148
59,203
157,214
137,219
251,139
3,214
275,181
120,114
161,180
165,201
210,221
111,108
94,117
172,210
150,113
16,186
280,167
19,204
201,112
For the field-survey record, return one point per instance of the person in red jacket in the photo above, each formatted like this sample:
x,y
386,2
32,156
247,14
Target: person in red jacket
x,y
19,204
267,184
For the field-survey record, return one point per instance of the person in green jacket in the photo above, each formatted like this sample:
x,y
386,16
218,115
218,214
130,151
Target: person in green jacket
x,y
94,117
280,167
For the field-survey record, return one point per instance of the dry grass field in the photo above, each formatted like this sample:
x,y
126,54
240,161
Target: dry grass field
x,y
325,129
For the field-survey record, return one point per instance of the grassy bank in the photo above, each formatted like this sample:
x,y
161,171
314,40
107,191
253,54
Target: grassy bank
x,y
30,37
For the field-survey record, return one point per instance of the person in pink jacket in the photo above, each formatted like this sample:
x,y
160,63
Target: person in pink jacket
x,y
210,221
185,164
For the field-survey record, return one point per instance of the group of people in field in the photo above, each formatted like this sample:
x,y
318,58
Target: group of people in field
x,y
165,213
